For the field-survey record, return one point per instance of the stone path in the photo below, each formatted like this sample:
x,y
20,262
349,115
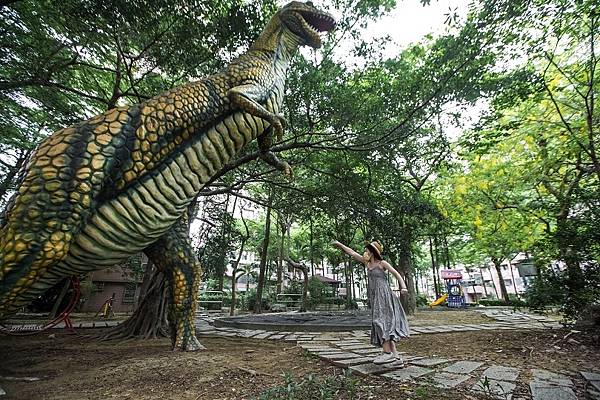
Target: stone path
x,y
497,381
351,350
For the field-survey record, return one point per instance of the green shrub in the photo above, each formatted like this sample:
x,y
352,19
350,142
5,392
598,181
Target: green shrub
x,y
250,301
421,300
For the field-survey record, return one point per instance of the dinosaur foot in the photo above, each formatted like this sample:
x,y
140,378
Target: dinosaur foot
x,y
191,344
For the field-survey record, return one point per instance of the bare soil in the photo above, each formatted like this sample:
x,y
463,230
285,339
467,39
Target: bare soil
x,y
436,316
74,367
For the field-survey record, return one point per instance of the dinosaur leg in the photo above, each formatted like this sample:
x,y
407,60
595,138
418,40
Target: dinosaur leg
x,y
173,254
264,144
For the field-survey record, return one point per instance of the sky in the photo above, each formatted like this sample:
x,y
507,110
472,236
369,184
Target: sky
x,y
410,20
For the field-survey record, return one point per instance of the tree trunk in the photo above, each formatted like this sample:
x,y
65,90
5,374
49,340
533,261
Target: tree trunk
x,y
433,269
312,266
263,259
498,267
150,319
347,267
483,282
280,260
304,270
405,266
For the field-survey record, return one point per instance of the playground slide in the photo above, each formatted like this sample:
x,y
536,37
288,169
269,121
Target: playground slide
x,y
439,301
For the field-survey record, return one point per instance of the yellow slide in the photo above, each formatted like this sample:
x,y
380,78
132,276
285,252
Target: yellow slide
x,y
439,301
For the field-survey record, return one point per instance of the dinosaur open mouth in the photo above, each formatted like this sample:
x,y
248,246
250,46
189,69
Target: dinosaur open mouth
x,y
319,22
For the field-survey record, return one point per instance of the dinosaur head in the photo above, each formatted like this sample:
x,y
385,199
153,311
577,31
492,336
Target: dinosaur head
x,y
306,21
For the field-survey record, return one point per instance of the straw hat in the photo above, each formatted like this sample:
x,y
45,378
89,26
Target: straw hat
x,y
376,248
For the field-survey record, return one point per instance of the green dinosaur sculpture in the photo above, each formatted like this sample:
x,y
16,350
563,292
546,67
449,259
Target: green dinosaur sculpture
x,y
97,192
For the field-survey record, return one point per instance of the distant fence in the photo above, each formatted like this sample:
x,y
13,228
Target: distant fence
x,y
211,299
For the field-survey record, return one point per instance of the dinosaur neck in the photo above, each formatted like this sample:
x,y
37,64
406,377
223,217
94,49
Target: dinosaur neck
x,y
278,39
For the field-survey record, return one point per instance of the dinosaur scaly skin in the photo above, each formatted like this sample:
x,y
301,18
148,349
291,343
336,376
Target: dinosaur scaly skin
x,y
97,192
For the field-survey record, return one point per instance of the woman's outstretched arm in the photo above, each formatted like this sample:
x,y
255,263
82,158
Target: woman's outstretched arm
x,y
387,266
348,251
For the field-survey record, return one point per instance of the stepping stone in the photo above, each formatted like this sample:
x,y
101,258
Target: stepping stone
x,y
371,369
551,377
446,380
411,358
339,356
357,347
290,338
372,350
408,373
463,367
2,392
276,337
430,362
497,389
546,391
592,378
262,335
500,373
348,362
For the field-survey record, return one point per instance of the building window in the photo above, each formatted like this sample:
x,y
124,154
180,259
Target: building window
x,y
98,286
129,293
508,282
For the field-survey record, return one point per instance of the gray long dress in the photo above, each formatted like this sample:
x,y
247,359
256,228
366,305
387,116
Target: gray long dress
x,y
388,319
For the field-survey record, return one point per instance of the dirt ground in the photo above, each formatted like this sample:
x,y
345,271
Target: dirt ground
x,y
71,367
546,349
437,316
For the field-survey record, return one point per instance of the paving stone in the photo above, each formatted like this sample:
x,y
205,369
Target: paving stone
x,y
348,362
340,356
593,379
357,347
371,369
545,391
314,346
500,373
290,338
250,334
590,376
276,337
429,362
551,377
407,358
262,335
372,350
446,380
498,389
408,373
463,367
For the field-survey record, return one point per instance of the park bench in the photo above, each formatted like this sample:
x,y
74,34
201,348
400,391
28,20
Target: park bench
x,y
207,297
287,301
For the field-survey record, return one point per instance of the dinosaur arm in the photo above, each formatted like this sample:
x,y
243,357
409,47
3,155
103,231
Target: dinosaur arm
x,y
245,97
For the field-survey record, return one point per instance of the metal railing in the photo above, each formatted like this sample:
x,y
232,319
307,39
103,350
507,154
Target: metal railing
x,y
290,300
207,297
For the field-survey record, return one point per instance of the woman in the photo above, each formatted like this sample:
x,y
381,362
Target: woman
x,y
389,322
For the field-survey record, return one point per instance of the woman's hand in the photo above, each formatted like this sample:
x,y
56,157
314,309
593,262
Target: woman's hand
x,y
335,243
404,291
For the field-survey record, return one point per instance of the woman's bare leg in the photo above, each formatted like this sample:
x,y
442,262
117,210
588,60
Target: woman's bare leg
x,y
387,347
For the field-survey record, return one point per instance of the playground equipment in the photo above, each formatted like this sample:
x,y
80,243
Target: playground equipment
x,y
55,318
456,297
440,300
